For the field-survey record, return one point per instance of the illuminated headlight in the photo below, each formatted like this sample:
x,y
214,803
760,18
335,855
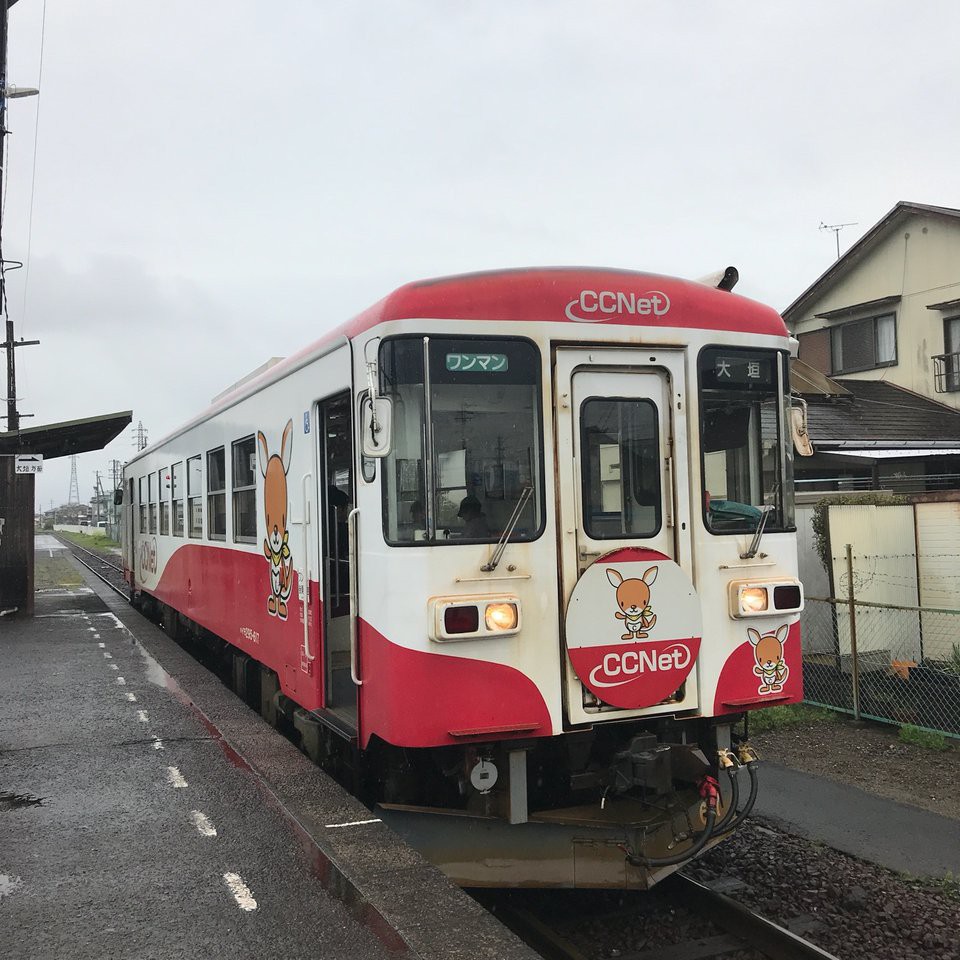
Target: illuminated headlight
x,y
474,618
753,600
764,598
501,617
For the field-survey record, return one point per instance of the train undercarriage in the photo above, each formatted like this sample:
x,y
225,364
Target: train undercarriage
x,y
621,805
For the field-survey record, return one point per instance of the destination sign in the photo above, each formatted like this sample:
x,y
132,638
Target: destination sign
x,y
741,369
477,362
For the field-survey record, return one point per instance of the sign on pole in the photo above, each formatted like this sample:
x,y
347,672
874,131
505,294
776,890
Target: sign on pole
x,y
28,463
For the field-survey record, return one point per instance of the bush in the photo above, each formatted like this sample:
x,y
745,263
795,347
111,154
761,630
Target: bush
x,y
928,739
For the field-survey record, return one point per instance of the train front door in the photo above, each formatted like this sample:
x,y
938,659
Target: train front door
x,y
337,496
622,414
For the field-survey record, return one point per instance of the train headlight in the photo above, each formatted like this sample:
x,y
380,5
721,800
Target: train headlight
x,y
501,617
474,617
753,600
764,598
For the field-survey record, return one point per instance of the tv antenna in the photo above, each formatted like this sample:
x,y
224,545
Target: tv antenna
x,y
836,228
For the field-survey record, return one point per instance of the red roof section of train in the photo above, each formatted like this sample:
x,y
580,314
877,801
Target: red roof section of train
x,y
576,295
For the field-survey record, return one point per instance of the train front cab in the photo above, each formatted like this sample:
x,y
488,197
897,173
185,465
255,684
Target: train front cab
x,y
678,454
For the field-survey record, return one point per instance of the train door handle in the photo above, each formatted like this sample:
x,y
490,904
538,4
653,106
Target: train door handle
x,y
353,523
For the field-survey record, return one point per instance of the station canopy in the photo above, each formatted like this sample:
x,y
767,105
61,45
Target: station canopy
x,y
64,439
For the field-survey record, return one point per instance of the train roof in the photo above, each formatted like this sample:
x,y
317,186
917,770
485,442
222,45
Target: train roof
x,y
581,296
552,294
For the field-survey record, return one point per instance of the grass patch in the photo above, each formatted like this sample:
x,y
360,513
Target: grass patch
x,y
56,571
91,542
794,715
928,739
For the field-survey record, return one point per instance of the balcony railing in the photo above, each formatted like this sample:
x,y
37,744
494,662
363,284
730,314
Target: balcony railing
x,y
946,372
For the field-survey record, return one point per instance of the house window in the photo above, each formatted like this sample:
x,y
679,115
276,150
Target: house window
x,y
164,478
864,344
951,349
176,495
216,495
244,480
195,496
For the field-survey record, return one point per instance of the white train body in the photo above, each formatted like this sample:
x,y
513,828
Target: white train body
x,y
639,426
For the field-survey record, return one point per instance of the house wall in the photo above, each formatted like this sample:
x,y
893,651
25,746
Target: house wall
x,y
919,260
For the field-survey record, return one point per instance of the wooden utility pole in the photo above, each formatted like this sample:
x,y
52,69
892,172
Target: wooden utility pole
x,y
16,491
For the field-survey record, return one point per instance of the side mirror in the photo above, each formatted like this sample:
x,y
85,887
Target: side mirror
x,y
376,421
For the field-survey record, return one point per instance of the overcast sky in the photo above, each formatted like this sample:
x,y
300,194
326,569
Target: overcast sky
x,y
220,182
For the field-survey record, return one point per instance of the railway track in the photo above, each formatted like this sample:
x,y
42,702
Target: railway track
x,y
108,569
711,925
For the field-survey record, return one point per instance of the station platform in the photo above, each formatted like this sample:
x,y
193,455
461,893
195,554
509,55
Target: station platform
x,y
145,811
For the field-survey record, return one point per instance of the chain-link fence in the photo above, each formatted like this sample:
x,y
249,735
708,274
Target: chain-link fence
x,y
885,662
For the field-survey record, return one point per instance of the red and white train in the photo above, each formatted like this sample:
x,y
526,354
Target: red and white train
x,y
518,546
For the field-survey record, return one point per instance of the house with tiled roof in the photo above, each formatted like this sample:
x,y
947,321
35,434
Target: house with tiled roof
x,y
879,339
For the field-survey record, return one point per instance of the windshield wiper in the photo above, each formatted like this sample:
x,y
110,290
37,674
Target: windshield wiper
x,y
491,564
765,512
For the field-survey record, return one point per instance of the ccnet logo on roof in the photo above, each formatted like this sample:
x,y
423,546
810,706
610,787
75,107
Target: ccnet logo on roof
x,y
592,306
633,628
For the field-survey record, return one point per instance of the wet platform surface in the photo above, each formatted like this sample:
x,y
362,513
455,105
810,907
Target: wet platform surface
x,y
145,811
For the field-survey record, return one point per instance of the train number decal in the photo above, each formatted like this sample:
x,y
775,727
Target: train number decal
x,y
276,545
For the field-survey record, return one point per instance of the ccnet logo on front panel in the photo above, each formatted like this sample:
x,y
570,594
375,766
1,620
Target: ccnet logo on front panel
x,y
633,628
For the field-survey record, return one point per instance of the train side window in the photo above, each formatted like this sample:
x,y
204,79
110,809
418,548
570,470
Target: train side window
x,y
216,495
164,478
176,495
142,502
195,495
152,512
244,483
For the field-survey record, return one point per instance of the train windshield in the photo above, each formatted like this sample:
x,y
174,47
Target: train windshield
x,y
747,459
467,429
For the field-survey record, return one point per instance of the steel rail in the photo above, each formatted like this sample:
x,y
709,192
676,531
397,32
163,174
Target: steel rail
x,y
759,932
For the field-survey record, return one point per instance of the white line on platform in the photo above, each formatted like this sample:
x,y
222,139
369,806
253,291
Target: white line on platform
x,y
132,697
202,822
175,778
96,636
241,892
107,656
121,681
142,716
113,666
101,645
157,743
352,823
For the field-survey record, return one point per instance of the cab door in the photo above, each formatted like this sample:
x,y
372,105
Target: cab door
x,y
622,415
